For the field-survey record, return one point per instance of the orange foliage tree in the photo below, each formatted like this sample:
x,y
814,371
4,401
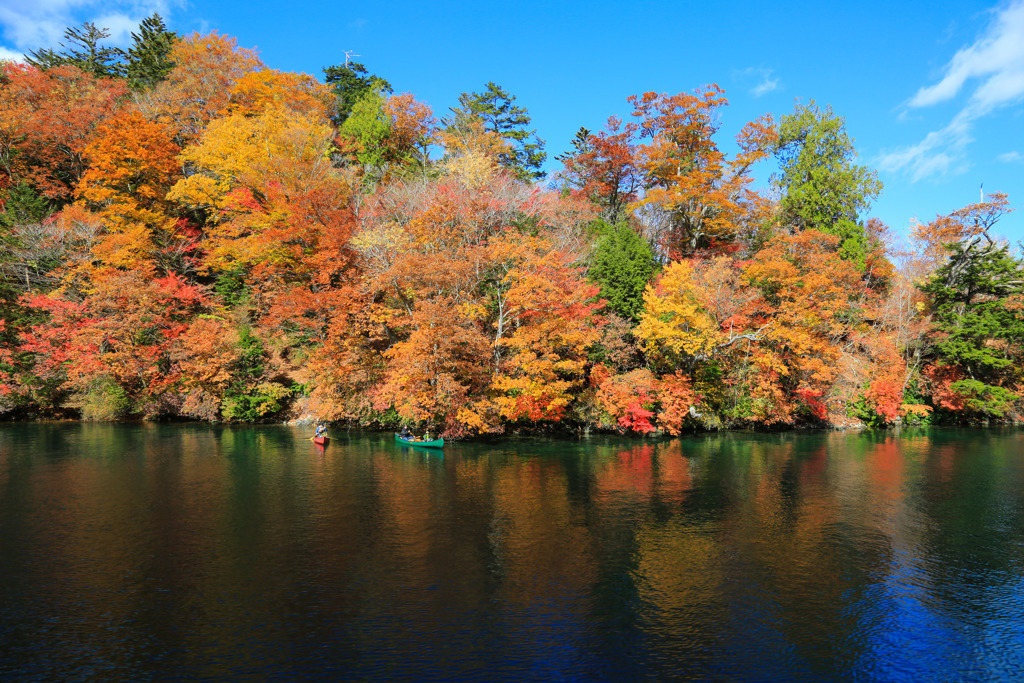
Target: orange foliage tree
x,y
603,167
701,198
697,324
110,354
255,91
269,193
551,307
474,311
637,401
132,164
756,341
218,241
200,86
808,296
47,119
974,219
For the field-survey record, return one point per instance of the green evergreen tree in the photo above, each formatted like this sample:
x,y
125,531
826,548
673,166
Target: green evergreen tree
x,y
496,109
81,48
350,83
979,324
23,204
581,145
147,61
623,264
252,396
821,187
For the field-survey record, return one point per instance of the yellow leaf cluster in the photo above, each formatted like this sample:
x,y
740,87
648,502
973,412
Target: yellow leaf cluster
x,y
473,168
245,151
673,322
472,153
257,91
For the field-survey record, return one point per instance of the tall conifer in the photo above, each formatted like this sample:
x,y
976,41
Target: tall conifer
x,y
147,61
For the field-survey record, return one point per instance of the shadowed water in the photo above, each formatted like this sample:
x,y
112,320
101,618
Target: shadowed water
x,y
167,552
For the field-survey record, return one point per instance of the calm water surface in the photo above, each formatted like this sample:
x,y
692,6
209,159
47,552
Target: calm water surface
x,y
166,552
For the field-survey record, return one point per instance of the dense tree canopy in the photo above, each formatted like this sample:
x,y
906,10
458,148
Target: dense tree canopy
x,y
978,339
700,199
623,264
188,232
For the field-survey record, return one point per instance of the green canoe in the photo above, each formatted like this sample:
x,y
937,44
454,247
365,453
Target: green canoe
x,y
436,443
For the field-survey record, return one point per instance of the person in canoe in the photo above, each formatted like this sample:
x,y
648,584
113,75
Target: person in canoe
x,y
406,434
321,431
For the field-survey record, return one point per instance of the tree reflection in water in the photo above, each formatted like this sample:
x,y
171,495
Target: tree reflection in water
x,y
193,551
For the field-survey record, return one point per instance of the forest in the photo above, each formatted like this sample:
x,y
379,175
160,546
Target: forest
x,y
189,233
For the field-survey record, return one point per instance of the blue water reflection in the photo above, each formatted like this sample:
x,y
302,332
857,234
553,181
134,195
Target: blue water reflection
x,y
158,552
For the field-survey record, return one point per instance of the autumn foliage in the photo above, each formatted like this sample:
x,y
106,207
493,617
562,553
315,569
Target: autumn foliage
x,y
225,246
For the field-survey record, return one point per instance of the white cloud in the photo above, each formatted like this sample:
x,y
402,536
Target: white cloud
x,y
34,24
12,55
999,54
1011,157
765,82
996,59
939,153
765,87
119,26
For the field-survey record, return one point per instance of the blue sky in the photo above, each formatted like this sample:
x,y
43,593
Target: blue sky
x,y
933,92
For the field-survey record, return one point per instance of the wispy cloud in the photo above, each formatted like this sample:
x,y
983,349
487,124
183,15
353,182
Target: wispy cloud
x,y
765,87
995,62
1013,157
12,55
765,83
33,24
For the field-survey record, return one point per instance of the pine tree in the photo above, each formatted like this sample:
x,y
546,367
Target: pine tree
x,y
581,144
23,204
976,297
500,115
147,61
822,189
81,48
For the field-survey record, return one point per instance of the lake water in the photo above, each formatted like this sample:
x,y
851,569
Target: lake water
x,y
168,552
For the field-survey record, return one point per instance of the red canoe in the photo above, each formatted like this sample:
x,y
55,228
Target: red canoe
x,y
321,440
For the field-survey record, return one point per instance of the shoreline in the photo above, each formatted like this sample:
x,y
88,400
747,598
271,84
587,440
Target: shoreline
x,y
552,432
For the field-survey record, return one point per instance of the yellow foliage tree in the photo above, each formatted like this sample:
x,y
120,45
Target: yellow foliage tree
x,y
257,91
674,326
199,87
248,170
